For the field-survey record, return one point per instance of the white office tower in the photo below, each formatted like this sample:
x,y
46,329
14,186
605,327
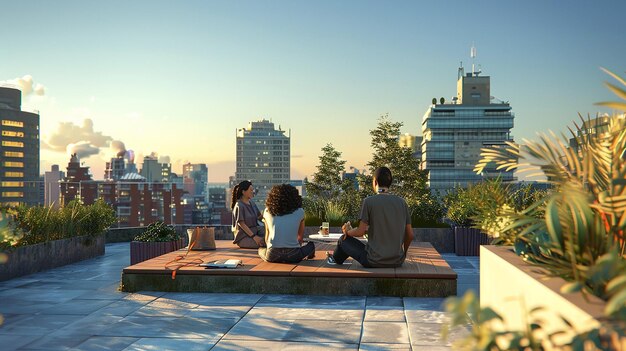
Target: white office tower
x,y
263,157
454,133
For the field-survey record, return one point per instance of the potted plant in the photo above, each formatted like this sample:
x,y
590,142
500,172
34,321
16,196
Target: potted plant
x,y
158,239
462,206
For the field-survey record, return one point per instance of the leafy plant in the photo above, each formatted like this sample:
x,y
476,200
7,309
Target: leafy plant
x,y
158,232
37,224
576,231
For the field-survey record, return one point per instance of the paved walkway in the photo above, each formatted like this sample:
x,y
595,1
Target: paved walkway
x,y
78,307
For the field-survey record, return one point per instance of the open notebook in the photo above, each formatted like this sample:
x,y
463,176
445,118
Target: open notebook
x,y
222,264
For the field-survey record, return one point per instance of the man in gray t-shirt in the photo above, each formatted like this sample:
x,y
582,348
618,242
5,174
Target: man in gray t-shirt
x,y
387,220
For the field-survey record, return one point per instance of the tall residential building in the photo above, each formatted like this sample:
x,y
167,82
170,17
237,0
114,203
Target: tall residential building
x,y
154,171
115,169
52,188
19,150
263,157
455,133
590,127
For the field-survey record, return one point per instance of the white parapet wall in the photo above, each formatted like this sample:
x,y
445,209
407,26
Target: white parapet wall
x,y
512,288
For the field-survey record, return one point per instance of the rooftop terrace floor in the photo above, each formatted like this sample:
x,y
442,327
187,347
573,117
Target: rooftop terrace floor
x,y
78,307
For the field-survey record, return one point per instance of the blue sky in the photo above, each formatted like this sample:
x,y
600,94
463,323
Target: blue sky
x,y
178,78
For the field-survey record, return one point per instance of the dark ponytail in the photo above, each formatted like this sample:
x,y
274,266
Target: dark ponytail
x,y
238,191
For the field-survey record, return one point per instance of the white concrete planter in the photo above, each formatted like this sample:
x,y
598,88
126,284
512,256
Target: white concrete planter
x,y
513,287
30,259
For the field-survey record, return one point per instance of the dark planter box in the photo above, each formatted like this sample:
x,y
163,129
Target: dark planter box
x,y
141,251
442,239
467,241
30,259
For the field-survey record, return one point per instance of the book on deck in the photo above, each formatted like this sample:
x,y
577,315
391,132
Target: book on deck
x,y
222,264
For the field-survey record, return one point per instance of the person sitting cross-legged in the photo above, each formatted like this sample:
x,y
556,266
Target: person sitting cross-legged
x,y
387,221
284,227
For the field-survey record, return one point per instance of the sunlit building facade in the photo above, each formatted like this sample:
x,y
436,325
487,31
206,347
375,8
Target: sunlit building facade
x,y
263,157
454,134
19,150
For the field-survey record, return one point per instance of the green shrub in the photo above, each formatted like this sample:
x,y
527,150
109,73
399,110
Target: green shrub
x,y
37,224
158,232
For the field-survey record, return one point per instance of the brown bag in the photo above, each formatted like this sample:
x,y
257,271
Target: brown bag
x,y
201,238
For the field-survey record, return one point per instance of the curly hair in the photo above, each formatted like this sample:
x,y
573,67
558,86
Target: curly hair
x,y
283,199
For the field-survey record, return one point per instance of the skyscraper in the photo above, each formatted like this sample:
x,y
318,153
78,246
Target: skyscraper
x,y
19,150
454,133
263,157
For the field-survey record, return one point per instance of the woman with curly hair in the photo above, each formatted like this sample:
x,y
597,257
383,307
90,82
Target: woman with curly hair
x,y
284,227
248,234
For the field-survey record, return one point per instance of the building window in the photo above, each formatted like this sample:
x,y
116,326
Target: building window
x,y
12,194
12,133
14,174
14,164
12,184
13,154
7,122
12,143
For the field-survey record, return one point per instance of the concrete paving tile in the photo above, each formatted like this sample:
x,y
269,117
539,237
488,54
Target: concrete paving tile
x,y
218,312
421,303
15,306
380,347
138,327
354,315
431,348
427,334
50,343
38,324
9,319
121,307
385,315
204,299
163,344
75,306
102,295
324,331
143,296
255,328
332,302
17,282
41,295
385,332
105,343
374,302
197,328
14,342
419,316
90,325
461,289
247,345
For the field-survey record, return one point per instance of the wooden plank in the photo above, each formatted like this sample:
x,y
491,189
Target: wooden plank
x,y
423,261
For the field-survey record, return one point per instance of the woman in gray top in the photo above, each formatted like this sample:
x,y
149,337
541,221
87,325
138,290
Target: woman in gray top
x,y
284,227
248,234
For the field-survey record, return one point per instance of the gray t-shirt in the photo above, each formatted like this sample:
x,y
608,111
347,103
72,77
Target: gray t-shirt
x,y
248,213
387,216
283,230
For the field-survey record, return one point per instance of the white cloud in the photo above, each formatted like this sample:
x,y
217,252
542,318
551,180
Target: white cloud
x,y
69,133
82,149
26,85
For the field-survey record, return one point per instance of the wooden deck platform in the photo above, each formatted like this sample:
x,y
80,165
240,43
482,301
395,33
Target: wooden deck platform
x,y
424,273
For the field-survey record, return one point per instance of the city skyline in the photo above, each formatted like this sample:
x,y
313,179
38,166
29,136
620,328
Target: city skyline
x,y
179,79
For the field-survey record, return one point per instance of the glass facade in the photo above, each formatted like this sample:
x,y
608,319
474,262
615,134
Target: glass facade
x,y
454,135
19,151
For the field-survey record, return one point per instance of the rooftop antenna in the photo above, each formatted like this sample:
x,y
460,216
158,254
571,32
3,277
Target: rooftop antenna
x,y
473,56
461,71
